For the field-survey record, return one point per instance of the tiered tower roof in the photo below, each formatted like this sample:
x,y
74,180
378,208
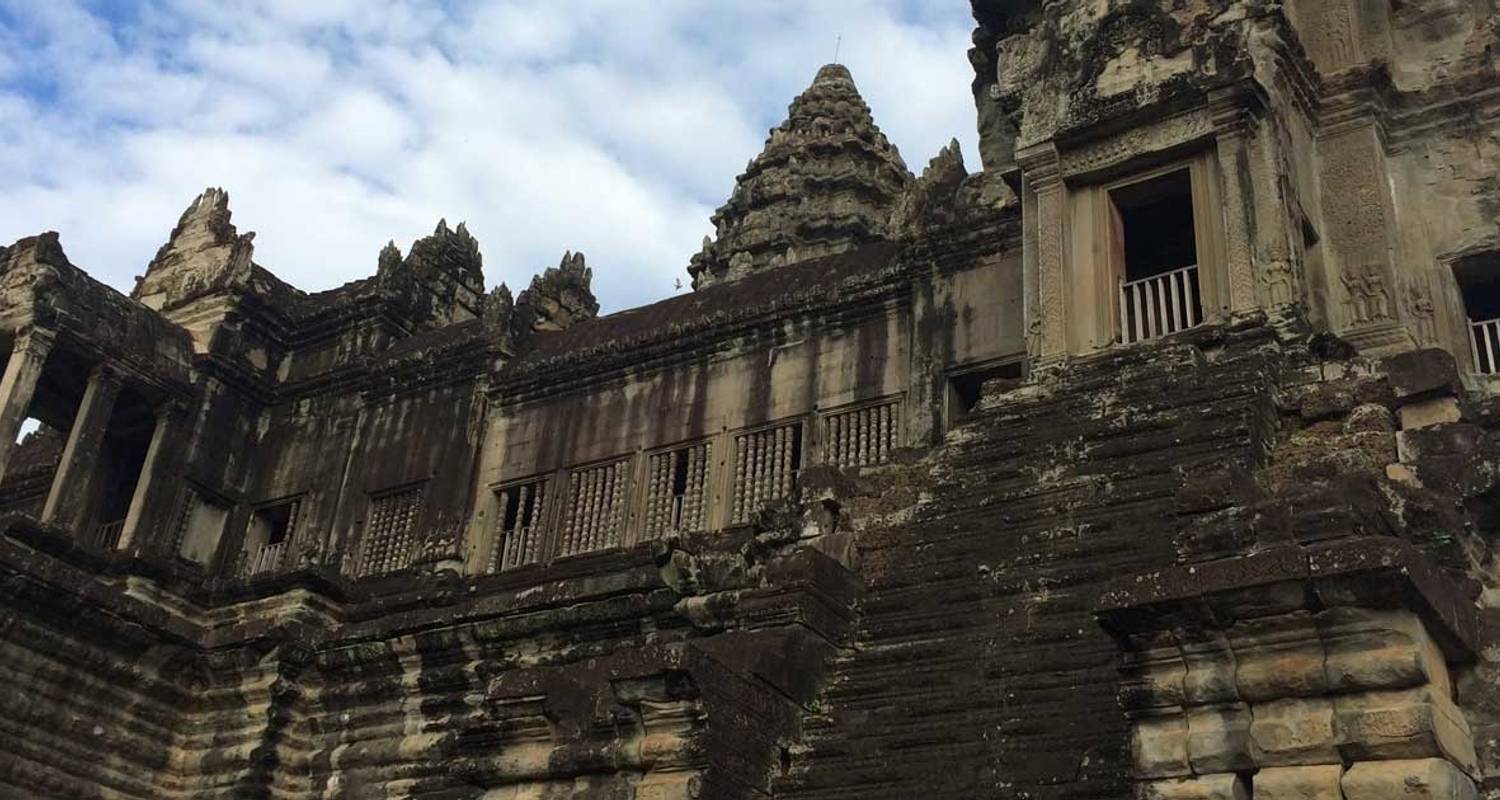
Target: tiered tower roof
x,y
825,183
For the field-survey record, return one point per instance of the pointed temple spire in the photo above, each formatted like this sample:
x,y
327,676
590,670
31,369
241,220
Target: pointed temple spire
x,y
204,253
825,183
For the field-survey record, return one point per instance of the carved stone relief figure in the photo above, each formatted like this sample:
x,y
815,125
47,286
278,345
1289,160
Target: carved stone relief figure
x,y
1419,305
1279,283
1365,296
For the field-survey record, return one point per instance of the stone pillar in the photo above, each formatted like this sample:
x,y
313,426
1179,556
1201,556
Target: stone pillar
x,y
149,478
1231,122
67,502
1360,222
23,370
1046,301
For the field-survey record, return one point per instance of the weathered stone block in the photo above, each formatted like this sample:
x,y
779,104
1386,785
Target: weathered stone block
x,y
1419,779
1210,672
1152,676
1325,400
1455,439
1378,649
1422,372
659,785
1370,418
1203,787
1415,723
1219,738
1159,747
1429,412
1319,782
1294,731
1278,657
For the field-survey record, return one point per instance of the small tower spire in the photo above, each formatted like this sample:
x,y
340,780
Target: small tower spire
x,y
825,183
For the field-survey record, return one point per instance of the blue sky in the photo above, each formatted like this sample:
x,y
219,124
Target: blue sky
x,y
614,127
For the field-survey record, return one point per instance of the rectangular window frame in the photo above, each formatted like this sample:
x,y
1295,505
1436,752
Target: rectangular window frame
x,y
957,408
504,555
267,556
834,441
1095,256
704,512
1207,239
577,528
394,560
739,509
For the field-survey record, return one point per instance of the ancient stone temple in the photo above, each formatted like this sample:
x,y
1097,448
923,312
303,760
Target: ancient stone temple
x,y
1158,456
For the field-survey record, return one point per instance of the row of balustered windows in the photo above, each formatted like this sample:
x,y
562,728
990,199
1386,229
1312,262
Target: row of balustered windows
x,y
676,491
597,503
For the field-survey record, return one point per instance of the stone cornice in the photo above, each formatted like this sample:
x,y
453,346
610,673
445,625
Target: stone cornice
x,y
699,336
1367,96
1385,571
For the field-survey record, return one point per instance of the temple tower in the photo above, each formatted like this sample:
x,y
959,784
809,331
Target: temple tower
x,y
825,183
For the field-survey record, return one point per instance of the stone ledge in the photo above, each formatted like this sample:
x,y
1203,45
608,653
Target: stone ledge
x,y
1372,571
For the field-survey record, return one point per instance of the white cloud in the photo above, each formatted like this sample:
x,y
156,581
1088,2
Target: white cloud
x,y
608,126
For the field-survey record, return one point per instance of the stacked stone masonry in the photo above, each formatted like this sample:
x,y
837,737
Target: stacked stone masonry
x,y
903,499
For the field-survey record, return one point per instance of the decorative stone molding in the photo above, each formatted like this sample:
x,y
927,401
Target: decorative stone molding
x,y
1046,304
1158,136
1294,678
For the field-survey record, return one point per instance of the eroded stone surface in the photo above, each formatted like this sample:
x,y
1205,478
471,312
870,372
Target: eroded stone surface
x,y
886,508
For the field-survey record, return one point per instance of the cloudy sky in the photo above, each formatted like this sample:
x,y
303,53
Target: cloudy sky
x,y
614,127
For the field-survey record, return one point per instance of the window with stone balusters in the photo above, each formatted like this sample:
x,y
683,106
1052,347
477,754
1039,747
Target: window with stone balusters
x,y
523,524
268,536
595,512
677,490
1157,255
766,464
861,437
391,531
1478,279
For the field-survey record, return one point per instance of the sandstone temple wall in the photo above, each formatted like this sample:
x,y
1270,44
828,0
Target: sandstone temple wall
x,y
1158,458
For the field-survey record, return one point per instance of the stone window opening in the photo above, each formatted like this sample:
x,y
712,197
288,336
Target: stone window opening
x,y
966,389
268,535
766,466
1156,255
1479,286
677,490
28,426
33,461
862,436
594,516
391,530
122,461
523,524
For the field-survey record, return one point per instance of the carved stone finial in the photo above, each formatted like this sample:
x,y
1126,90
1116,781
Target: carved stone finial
x,y
390,259
449,267
932,199
825,183
499,308
203,254
558,297
450,252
